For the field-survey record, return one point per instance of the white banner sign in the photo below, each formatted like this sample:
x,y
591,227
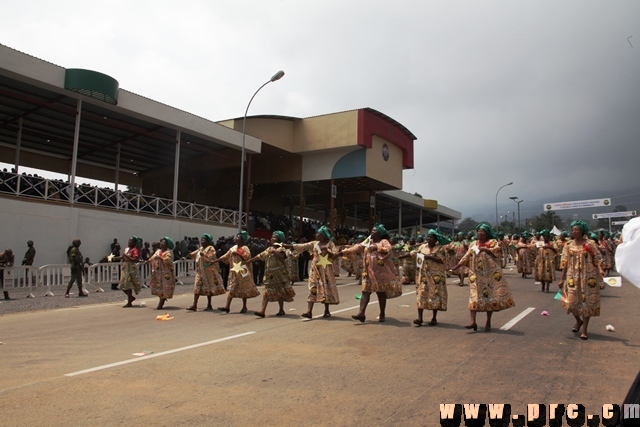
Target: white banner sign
x,y
578,204
619,222
614,214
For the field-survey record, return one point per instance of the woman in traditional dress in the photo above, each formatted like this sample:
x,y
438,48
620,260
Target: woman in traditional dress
x,y
606,250
322,280
129,279
163,277
457,250
546,262
524,262
431,276
379,275
488,288
559,245
208,279
241,284
504,247
277,284
581,269
291,262
408,264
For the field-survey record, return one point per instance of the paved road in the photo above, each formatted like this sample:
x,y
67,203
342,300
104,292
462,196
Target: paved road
x,y
75,365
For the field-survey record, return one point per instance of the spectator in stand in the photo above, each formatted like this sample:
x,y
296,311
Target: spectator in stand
x,y
183,247
7,259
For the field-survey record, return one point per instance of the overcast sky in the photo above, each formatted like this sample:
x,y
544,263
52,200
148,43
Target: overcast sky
x,y
542,93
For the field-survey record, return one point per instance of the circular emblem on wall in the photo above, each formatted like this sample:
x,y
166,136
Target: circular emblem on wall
x,y
385,152
548,207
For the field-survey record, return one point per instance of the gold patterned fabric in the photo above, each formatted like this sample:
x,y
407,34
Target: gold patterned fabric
x,y
240,283
208,279
163,277
525,259
322,280
488,288
431,278
545,265
581,287
379,274
277,284
458,250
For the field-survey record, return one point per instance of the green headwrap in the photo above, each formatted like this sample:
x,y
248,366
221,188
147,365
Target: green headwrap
x,y
488,229
545,233
381,229
245,236
170,244
208,237
443,240
583,226
280,236
135,239
593,236
325,232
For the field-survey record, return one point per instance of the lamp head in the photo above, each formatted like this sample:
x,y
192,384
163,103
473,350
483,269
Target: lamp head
x,y
514,198
277,76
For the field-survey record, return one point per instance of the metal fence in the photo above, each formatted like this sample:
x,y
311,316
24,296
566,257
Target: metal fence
x,y
52,276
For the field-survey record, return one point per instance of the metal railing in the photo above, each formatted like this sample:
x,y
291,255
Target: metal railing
x,y
98,275
59,191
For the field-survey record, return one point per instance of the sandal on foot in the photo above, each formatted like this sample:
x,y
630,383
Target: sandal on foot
x,y
192,308
576,330
584,337
225,309
306,315
381,319
433,323
209,308
280,313
326,315
244,310
417,322
473,326
257,313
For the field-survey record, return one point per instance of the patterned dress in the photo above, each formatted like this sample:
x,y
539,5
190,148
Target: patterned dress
x,y
379,274
607,254
129,279
488,288
277,283
559,245
208,279
408,266
431,278
524,262
581,288
292,266
458,249
545,265
504,247
322,280
163,277
240,284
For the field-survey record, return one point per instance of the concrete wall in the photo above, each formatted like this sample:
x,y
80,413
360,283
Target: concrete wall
x,y
388,171
53,226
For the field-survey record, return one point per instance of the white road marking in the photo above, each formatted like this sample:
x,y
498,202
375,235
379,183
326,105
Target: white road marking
x,y
150,356
516,319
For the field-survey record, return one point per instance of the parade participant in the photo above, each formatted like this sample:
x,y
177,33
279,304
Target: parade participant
x,y
408,264
431,277
7,259
322,280
504,247
208,281
129,279
606,249
559,244
76,265
291,261
379,275
277,284
488,288
457,250
163,276
581,268
240,284
524,262
545,271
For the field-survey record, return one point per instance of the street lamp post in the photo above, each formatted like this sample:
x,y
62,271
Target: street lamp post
x,y
515,199
276,76
497,202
